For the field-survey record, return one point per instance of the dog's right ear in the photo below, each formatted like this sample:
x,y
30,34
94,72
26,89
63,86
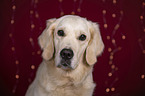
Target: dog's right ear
x,y
96,45
46,39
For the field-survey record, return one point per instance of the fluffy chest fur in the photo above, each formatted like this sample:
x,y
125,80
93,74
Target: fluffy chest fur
x,y
50,83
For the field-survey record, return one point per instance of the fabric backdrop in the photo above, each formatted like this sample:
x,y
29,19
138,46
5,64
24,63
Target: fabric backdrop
x,y
20,54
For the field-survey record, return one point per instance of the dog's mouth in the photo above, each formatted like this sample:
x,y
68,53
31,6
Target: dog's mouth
x,y
65,65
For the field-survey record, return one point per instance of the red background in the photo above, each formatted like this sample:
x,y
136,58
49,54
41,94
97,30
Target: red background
x,y
130,60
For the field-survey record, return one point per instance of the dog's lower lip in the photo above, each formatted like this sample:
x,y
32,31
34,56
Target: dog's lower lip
x,y
65,64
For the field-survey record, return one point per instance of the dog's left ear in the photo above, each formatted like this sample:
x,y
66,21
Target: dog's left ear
x,y
46,40
96,45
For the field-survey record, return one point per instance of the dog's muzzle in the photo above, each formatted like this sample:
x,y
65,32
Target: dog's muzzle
x,y
66,55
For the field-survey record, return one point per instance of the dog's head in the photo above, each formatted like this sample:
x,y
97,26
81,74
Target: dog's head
x,y
68,39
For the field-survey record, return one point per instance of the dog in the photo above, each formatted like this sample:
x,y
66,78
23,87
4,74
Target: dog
x,y
71,45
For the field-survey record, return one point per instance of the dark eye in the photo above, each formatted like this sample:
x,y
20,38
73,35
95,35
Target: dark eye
x,y
60,32
82,37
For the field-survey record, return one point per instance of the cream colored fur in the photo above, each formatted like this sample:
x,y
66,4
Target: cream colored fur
x,y
53,81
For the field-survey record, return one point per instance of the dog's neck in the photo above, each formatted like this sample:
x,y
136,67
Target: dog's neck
x,y
79,74
75,78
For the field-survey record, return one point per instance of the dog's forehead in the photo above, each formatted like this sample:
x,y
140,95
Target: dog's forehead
x,y
73,22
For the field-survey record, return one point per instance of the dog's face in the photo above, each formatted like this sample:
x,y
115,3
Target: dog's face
x,y
71,37
68,39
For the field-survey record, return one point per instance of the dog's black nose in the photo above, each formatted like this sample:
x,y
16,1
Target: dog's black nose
x,y
66,54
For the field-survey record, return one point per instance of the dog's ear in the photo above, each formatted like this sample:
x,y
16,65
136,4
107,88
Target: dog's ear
x,y
96,45
46,40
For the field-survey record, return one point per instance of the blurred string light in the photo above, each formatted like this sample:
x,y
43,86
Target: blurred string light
x,y
31,40
76,9
60,7
13,47
33,15
112,51
141,40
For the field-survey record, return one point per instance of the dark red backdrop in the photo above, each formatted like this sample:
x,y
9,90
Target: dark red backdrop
x,y
129,60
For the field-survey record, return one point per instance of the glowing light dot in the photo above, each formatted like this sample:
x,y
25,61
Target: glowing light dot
x,y
103,0
38,52
17,77
113,15
121,12
110,62
17,62
36,1
12,21
144,29
13,7
110,74
113,41
37,15
31,12
113,66
142,76
139,40
33,53
116,68
30,39
104,11
112,89
114,1
143,51
117,26
60,0
123,37
61,13
107,89
109,49
119,48
141,17
108,37
32,26
143,3
111,57
10,35
13,48
13,91
105,25
79,10
72,12
32,67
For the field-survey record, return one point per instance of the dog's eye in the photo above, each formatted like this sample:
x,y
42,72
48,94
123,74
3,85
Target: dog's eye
x,y
82,37
60,32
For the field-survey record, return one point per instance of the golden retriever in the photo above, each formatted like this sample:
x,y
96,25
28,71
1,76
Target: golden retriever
x,y
70,46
